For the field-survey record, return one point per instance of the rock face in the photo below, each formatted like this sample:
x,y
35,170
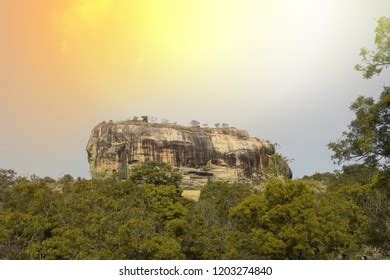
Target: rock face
x,y
202,154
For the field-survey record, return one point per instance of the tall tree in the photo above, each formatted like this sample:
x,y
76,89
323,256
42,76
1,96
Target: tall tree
x,y
368,138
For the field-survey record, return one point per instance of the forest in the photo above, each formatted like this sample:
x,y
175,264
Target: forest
x,y
343,214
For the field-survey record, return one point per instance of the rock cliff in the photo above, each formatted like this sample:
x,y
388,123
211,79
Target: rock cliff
x,y
202,154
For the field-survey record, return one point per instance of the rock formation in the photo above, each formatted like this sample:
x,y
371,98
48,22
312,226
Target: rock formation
x,y
202,154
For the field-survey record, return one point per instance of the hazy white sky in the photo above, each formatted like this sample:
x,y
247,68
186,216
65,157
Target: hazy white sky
x,y
281,69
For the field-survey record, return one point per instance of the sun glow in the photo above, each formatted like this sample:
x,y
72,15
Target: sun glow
x,y
86,14
139,32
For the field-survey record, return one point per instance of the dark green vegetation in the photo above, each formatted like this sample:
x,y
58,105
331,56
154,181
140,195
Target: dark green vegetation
x,y
368,138
339,215
326,216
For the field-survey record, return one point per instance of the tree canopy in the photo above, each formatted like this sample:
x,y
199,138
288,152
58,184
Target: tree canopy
x,y
136,219
157,173
368,137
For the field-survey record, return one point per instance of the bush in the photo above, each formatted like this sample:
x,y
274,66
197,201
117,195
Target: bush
x,y
156,173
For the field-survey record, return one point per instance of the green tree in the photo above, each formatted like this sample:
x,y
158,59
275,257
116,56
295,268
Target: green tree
x,y
377,207
216,199
368,138
67,243
373,62
7,177
294,220
18,231
353,174
29,197
155,173
368,141
67,178
162,247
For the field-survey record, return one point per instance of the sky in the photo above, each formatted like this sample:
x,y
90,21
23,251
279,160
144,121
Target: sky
x,y
283,70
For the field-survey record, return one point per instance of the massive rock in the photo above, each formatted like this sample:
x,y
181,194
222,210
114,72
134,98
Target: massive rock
x,y
202,154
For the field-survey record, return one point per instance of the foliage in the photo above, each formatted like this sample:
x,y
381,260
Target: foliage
x,y
370,189
91,219
368,141
289,220
7,177
20,230
67,178
130,219
217,198
277,166
373,62
155,172
368,138
377,207
360,174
